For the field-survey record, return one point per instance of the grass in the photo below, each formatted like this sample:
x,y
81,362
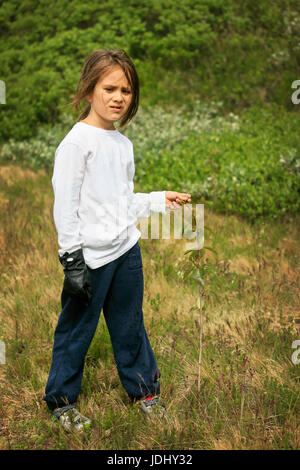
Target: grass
x,y
249,395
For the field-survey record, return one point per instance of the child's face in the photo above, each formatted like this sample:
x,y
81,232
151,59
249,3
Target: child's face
x,y
110,99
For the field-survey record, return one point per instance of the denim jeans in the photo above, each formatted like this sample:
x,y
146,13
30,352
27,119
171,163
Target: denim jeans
x,y
118,289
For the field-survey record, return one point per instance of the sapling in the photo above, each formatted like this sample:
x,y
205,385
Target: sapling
x,y
196,258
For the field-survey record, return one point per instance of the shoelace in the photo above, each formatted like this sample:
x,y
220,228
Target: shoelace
x,y
59,411
151,401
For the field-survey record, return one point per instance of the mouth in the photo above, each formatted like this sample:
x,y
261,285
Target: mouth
x,y
116,108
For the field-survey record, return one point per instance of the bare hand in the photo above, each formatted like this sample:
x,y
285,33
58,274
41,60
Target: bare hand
x,y
175,199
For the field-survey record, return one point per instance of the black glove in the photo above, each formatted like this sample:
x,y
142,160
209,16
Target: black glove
x,y
77,281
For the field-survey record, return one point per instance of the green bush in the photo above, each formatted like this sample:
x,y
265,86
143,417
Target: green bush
x,y
238,52
247,165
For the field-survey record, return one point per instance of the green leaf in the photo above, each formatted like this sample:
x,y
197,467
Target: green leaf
x,y
198,278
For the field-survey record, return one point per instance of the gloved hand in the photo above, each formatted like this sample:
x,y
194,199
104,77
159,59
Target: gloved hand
x,y
77,281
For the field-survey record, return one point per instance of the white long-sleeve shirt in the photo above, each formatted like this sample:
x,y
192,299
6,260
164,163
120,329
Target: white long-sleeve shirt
x,y
95,207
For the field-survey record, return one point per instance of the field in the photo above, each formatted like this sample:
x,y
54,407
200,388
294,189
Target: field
x,y
216,120
249,393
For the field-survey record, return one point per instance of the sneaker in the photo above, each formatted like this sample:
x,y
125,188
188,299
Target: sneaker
x,y
70,418
152,405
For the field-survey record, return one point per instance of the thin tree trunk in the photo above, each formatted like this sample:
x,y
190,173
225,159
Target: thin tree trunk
x,y
201,328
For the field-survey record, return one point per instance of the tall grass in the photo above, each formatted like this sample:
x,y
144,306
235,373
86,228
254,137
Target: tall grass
x,y
249,395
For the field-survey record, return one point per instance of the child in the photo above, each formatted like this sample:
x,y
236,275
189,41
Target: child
x,y
95,214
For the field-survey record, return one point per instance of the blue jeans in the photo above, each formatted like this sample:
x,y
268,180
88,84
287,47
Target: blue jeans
x,y
118,288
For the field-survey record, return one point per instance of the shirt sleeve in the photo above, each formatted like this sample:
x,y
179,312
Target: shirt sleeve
x,y
144,203
68,174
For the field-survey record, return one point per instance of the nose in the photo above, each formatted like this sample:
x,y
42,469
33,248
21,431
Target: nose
x,y
117,96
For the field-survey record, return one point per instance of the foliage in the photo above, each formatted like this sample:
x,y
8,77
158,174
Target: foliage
x,y
238,52
234,165
246,164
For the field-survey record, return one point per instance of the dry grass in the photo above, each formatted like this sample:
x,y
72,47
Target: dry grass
x,y
249,396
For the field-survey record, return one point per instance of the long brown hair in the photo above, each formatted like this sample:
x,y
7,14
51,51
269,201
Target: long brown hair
x,y
96,65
